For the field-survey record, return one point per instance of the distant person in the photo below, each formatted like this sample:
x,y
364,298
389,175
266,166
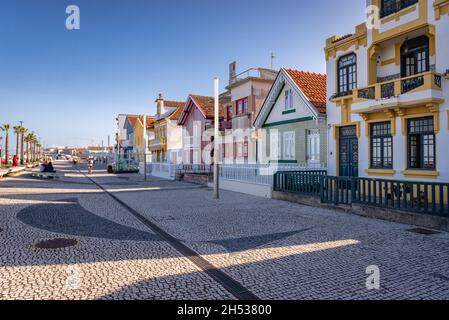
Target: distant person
x,y
49,167
15,161
90,165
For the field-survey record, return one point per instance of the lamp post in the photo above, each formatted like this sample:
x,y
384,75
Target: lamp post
x,y
216,145
145,147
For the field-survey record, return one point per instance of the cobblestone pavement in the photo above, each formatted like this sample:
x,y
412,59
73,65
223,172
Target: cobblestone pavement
x,y
275,249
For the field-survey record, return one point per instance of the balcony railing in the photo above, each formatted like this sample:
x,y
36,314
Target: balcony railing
x,y
395,88
158,141
393,6
341,94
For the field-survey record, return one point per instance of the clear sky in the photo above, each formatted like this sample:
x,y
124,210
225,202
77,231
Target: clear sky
x,y
68,86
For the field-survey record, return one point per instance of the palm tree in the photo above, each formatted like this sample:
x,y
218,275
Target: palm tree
x,y
5,127
28,139
23,131
17,132
33,147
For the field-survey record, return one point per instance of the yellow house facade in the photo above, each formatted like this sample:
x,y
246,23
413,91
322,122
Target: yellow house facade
x,y
388,93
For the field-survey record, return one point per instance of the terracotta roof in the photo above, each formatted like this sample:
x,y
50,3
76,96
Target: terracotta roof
x,y
174,104
150,122
132,119
207,104
175,115
313,85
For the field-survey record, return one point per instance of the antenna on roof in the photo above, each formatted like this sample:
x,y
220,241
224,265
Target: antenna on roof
x,y
272,60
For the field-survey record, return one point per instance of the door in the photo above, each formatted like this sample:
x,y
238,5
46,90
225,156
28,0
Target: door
x,y
348,152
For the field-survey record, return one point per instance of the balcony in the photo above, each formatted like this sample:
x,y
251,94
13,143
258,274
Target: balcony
x,y
420,87
157,144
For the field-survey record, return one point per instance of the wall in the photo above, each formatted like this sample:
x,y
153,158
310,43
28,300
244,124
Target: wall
x,y
300,130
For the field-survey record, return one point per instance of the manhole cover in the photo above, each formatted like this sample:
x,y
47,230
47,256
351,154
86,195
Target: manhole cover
x,y
56,243
426,232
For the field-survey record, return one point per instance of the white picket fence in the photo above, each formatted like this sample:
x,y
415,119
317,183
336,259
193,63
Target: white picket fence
x,y
159,170
261,174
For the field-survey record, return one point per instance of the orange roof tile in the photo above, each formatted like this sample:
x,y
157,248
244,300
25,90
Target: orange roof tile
x,y
175,115
208,105
313,85
174,104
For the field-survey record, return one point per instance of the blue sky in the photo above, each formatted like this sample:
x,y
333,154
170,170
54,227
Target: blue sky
x,y
68,86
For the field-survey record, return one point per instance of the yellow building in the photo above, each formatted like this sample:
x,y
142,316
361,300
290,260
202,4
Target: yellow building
x,y
388,93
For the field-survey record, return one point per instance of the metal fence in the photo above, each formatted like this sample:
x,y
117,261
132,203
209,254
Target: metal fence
x,y
415,196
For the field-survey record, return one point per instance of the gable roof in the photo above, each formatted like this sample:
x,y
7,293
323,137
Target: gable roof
x,y
206,105
313,85
177,113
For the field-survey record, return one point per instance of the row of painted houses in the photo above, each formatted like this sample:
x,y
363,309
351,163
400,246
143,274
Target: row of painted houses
x,y
381,111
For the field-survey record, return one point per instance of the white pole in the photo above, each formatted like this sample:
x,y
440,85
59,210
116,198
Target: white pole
x,y
216,145
145,147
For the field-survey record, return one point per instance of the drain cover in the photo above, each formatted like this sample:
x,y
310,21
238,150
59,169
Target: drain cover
x,y
426,232
56,243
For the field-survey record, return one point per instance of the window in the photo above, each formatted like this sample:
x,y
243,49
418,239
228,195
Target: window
x,y
275,145
242,106
421,143
223,152
245,149
313,145
381,145
415,56
288,99
393,6
289,145
347,73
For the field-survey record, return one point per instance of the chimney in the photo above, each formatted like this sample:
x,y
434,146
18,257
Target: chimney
x,y
160,105
233,72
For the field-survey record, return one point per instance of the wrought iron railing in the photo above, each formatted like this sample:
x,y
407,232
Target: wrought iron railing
x,y
367,93
387,90
341,94
412,83
438,80
413,196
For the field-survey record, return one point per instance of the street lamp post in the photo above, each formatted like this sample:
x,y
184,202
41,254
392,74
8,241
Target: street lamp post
x,y
145,147
216,145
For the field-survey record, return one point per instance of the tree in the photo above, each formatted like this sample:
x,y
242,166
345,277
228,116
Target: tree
x,y
6,128
23,131
28,139
17,132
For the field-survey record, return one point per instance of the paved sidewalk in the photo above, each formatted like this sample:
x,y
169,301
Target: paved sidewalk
x,y
275,249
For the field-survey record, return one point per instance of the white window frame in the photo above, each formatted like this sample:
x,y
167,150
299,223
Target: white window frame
x,y
289,145
313,145
275,145
288,105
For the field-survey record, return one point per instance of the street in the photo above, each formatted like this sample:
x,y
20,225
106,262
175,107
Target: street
x,y
123,238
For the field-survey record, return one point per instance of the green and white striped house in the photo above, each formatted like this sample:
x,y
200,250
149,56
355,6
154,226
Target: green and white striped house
x,y
291,124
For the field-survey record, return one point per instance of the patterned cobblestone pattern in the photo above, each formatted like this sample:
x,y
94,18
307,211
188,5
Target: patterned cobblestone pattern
x,y
277,250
